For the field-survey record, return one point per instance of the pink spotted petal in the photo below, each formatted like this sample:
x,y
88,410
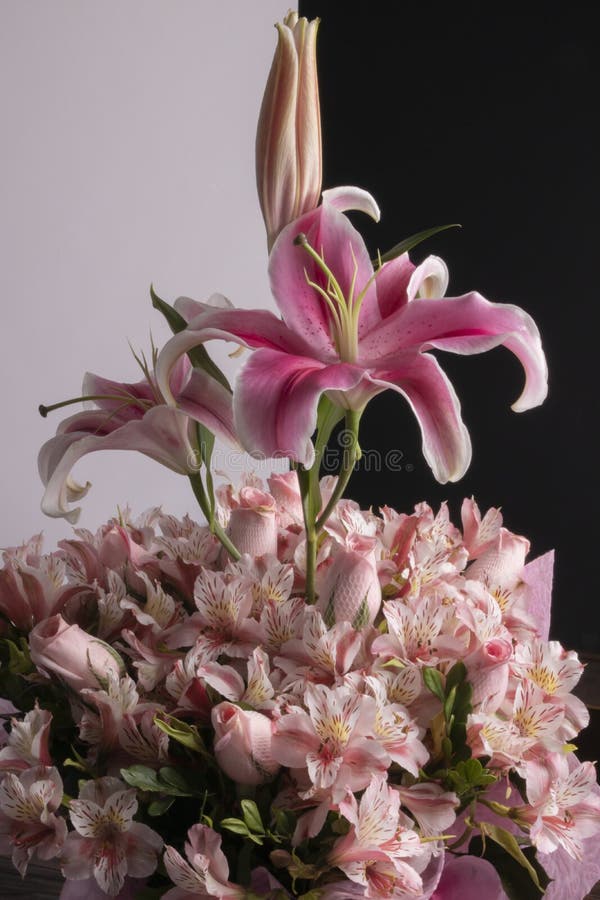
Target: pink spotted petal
x,y
331,234
247,327
110,868
392,284
446,442
465,325
276,398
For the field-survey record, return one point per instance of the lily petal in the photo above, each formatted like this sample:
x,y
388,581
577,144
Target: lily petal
x,y
466,325
207,401
446,441
392,284
332,235
349,197
276,398
162,435
250,328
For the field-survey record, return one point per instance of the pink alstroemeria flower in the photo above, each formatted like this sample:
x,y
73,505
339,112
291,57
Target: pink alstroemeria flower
x,y
207,872
134,417
352,333
107,843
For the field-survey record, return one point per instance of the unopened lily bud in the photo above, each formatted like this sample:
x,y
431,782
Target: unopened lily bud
x,y
288,137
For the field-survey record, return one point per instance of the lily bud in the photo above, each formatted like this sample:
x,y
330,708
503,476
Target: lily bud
x,y
288,137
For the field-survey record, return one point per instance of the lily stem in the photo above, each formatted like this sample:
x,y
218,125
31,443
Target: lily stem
x,y
309,490
350,456
203,501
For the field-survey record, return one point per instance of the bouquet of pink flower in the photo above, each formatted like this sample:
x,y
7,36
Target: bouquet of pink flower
x,y
296,697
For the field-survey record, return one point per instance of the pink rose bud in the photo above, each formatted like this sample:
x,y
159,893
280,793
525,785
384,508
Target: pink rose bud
x,y
243,744
502,564
253,524
70,653
487,669
288,137
349,591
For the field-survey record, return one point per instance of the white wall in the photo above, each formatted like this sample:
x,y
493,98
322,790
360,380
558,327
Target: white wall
x,y
126,156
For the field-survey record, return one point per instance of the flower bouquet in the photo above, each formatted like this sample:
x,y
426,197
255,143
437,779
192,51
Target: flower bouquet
x,y
295,697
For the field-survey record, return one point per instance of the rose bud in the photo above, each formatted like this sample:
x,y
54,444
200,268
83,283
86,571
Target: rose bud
x,y
253,524
243,744
349,590
70,653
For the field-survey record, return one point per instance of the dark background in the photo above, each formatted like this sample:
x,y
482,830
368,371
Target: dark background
x,y
483,114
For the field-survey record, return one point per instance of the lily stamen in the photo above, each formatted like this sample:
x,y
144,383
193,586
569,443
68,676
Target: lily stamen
x,y
131,400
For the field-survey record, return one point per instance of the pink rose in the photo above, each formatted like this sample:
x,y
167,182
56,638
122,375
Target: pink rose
x,y
253,524
70,653
243,744
349,590
488,672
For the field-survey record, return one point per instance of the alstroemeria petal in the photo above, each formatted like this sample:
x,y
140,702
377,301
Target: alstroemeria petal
x,y
276,398
162,435
465,325
333,236
446,442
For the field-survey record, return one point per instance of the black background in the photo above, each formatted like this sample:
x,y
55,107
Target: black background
x,y
483,114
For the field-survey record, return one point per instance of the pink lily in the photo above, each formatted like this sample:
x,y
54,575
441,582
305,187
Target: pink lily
x,y
134,417
351,333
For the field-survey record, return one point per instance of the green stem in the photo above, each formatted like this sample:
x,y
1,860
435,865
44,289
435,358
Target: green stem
x,y
203,501
351,454
309,489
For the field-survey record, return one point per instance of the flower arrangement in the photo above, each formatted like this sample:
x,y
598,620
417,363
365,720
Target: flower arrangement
x,y
296,697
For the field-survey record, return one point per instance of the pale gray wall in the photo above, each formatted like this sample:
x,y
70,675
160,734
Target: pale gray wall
x,y
126,156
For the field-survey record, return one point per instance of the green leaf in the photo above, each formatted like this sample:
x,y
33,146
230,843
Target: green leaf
x,y
433,680
142,777
456,675
252,816
19,660
239,827
449,703
235,825
159,807
198,355
509,843
515,879
173,780
179,731
410,242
